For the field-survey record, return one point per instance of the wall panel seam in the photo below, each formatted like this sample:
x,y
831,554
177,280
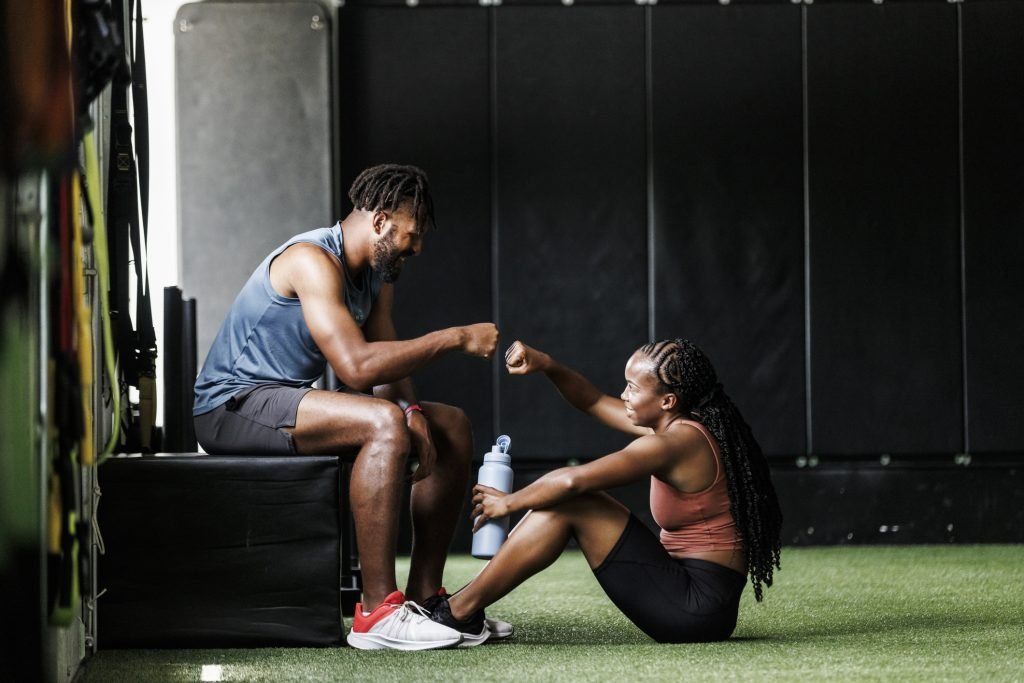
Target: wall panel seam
x,y
496,364
963,223
804,89
649,153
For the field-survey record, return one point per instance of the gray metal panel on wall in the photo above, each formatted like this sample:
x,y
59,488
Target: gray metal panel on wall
x,y
994,223
254,141
886,365
728,203
572,233
425,100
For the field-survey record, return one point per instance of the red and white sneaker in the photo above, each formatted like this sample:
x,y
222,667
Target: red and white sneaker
x,y
399,625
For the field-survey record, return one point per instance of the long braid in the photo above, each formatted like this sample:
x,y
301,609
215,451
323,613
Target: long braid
x,y
388,186
684,370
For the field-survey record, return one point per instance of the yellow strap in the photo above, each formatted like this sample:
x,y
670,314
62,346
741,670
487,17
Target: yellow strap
x,y
102,261
83,316
54,519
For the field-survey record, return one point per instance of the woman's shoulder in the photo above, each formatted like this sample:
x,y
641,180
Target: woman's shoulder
x,y
680,437
695,456
689,433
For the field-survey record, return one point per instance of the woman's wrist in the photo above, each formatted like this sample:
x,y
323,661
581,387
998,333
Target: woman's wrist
x,y
508,500
547,363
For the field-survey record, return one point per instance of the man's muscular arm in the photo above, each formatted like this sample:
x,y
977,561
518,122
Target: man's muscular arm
x,y
380,326
316,278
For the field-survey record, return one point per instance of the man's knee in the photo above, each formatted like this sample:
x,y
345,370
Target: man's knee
x,y
453,433
451,421
389,430
462,423
461,429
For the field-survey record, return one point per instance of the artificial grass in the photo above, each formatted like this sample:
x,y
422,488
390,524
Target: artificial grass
x,y
844,613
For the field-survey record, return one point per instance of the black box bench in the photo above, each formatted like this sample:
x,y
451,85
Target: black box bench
x,y
224,551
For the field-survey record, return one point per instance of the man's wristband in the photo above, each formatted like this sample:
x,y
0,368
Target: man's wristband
x,y
411,407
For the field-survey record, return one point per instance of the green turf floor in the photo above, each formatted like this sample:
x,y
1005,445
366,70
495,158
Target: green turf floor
x,y
926,613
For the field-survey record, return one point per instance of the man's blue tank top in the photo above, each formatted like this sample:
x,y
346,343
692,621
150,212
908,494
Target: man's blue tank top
x,y
264,338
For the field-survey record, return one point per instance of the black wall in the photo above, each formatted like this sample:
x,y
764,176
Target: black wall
x,y
885,309
416,89
993,206
827,198
728,216
572,223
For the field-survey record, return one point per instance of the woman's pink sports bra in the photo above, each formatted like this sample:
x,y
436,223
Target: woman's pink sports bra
x,y
696,522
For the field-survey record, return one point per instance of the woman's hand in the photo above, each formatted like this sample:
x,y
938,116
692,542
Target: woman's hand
x,y
521,359
488,504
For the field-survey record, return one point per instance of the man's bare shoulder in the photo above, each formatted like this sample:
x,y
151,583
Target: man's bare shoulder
x,y
308,254
304,268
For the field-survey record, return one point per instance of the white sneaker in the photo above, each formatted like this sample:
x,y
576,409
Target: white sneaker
x,y
399,625
500,630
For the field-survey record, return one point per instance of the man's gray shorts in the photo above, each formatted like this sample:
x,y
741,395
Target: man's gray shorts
x,y
251,422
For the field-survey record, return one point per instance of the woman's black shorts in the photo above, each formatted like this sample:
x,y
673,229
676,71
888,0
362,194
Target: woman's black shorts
x,y
672,601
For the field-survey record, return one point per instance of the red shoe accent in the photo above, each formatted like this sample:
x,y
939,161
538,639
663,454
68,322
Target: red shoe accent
x,y
364,623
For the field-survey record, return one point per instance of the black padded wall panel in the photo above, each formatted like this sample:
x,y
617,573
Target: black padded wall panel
x,y
994,223
728,203
402,102
884,219
543,108
571,209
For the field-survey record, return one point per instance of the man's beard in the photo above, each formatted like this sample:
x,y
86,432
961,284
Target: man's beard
x,y
387,260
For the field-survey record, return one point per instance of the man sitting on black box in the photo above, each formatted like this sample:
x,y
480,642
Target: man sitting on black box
x,y
326,296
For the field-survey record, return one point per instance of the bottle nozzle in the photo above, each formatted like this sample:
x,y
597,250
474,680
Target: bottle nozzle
x,y
503,443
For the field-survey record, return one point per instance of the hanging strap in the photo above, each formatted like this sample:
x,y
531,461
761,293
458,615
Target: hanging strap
x,y
129,177
121,203
140,102
146,341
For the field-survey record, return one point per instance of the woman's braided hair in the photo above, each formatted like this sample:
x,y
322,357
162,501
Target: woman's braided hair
x,y
684,370
387,186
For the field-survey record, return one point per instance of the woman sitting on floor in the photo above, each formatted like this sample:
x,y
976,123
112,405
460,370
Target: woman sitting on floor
x,y
711,494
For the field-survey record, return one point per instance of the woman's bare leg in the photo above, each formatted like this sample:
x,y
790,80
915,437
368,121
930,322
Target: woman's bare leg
x,y
595,520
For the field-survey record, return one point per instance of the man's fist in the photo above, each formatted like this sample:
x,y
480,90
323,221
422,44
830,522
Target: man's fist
x,y
480,339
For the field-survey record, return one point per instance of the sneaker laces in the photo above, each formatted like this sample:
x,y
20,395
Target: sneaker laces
x,y
407,609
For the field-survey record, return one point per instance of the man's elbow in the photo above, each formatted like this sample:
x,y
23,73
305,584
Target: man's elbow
x,y
354,376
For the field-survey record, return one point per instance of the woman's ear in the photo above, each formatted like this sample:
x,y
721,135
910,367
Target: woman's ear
x,y
669,401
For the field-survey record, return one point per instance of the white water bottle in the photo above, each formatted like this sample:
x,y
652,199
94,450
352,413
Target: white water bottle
x,y
496,473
